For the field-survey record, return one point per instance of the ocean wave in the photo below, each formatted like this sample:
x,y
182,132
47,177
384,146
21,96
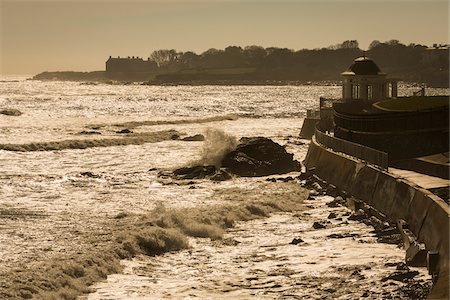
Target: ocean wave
x,y
133,139
216,145
134,124
127,235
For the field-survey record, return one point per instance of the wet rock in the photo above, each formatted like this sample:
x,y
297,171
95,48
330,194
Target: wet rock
x,y
89,132
89,174
123,131
194,138
415,290
316,187
196,172
319,225
332,215
10,112
296,241
259,156
390,264
401,276
221,175
332,204
286,179
360,215
388,231
394,239
312,195
377,223
342,235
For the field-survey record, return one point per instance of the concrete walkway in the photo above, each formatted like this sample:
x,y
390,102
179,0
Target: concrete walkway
x,y
422,180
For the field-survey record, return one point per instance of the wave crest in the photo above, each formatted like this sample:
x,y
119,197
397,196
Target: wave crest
x,y
216,145
134,139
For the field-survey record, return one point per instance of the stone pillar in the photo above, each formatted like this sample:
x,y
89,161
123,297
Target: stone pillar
x,y
394,88
346,89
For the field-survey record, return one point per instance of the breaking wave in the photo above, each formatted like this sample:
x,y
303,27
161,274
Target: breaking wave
x,y
162,230
133,139
216,145
134,124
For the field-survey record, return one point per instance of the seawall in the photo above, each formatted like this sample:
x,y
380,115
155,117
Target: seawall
x,y
426,214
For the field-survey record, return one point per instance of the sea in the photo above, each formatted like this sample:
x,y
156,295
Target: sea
x,y
88,212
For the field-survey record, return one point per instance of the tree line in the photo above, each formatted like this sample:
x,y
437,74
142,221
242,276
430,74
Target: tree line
x,y
406,62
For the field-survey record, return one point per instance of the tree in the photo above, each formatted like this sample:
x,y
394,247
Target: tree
x,y
350,44
164,57
254,55
374,44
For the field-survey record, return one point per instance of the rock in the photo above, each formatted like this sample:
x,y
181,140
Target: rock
x,y
89,132
332,215
126,130
317,187
259,156
393,239
175,137
10,112
311,197
401,276
358,216
197,172
376,223
332,204
339,199
89,174
194,138
221,175
296,241
271,179
286,179
318,225
341,235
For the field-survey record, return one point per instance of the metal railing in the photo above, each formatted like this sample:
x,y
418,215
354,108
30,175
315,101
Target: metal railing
x,y
370,155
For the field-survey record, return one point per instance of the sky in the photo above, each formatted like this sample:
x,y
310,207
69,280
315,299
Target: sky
x,y
80,35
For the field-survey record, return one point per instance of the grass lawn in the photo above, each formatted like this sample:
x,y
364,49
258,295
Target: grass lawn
x,y
413,103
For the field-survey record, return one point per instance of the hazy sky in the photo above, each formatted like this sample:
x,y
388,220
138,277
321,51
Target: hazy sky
x,y
80,35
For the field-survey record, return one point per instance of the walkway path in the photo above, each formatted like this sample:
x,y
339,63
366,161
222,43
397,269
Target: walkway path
x,y
422,180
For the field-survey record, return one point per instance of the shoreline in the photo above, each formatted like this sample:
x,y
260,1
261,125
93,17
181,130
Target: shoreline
x,y
98,77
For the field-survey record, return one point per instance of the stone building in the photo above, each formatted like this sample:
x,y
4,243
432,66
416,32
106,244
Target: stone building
x,y
130,65
364,80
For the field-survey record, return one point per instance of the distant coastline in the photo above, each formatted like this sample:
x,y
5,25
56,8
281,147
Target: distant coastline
x,y
255,65
168,79
174,79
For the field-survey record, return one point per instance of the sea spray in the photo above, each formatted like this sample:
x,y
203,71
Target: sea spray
x,y
216,145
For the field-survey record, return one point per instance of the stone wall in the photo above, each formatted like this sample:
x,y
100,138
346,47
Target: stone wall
x,y
426,214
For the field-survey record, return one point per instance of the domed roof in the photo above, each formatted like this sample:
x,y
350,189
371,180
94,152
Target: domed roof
x,y
363,66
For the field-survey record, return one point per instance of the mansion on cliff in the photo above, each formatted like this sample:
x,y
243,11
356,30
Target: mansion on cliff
x,y
129,64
